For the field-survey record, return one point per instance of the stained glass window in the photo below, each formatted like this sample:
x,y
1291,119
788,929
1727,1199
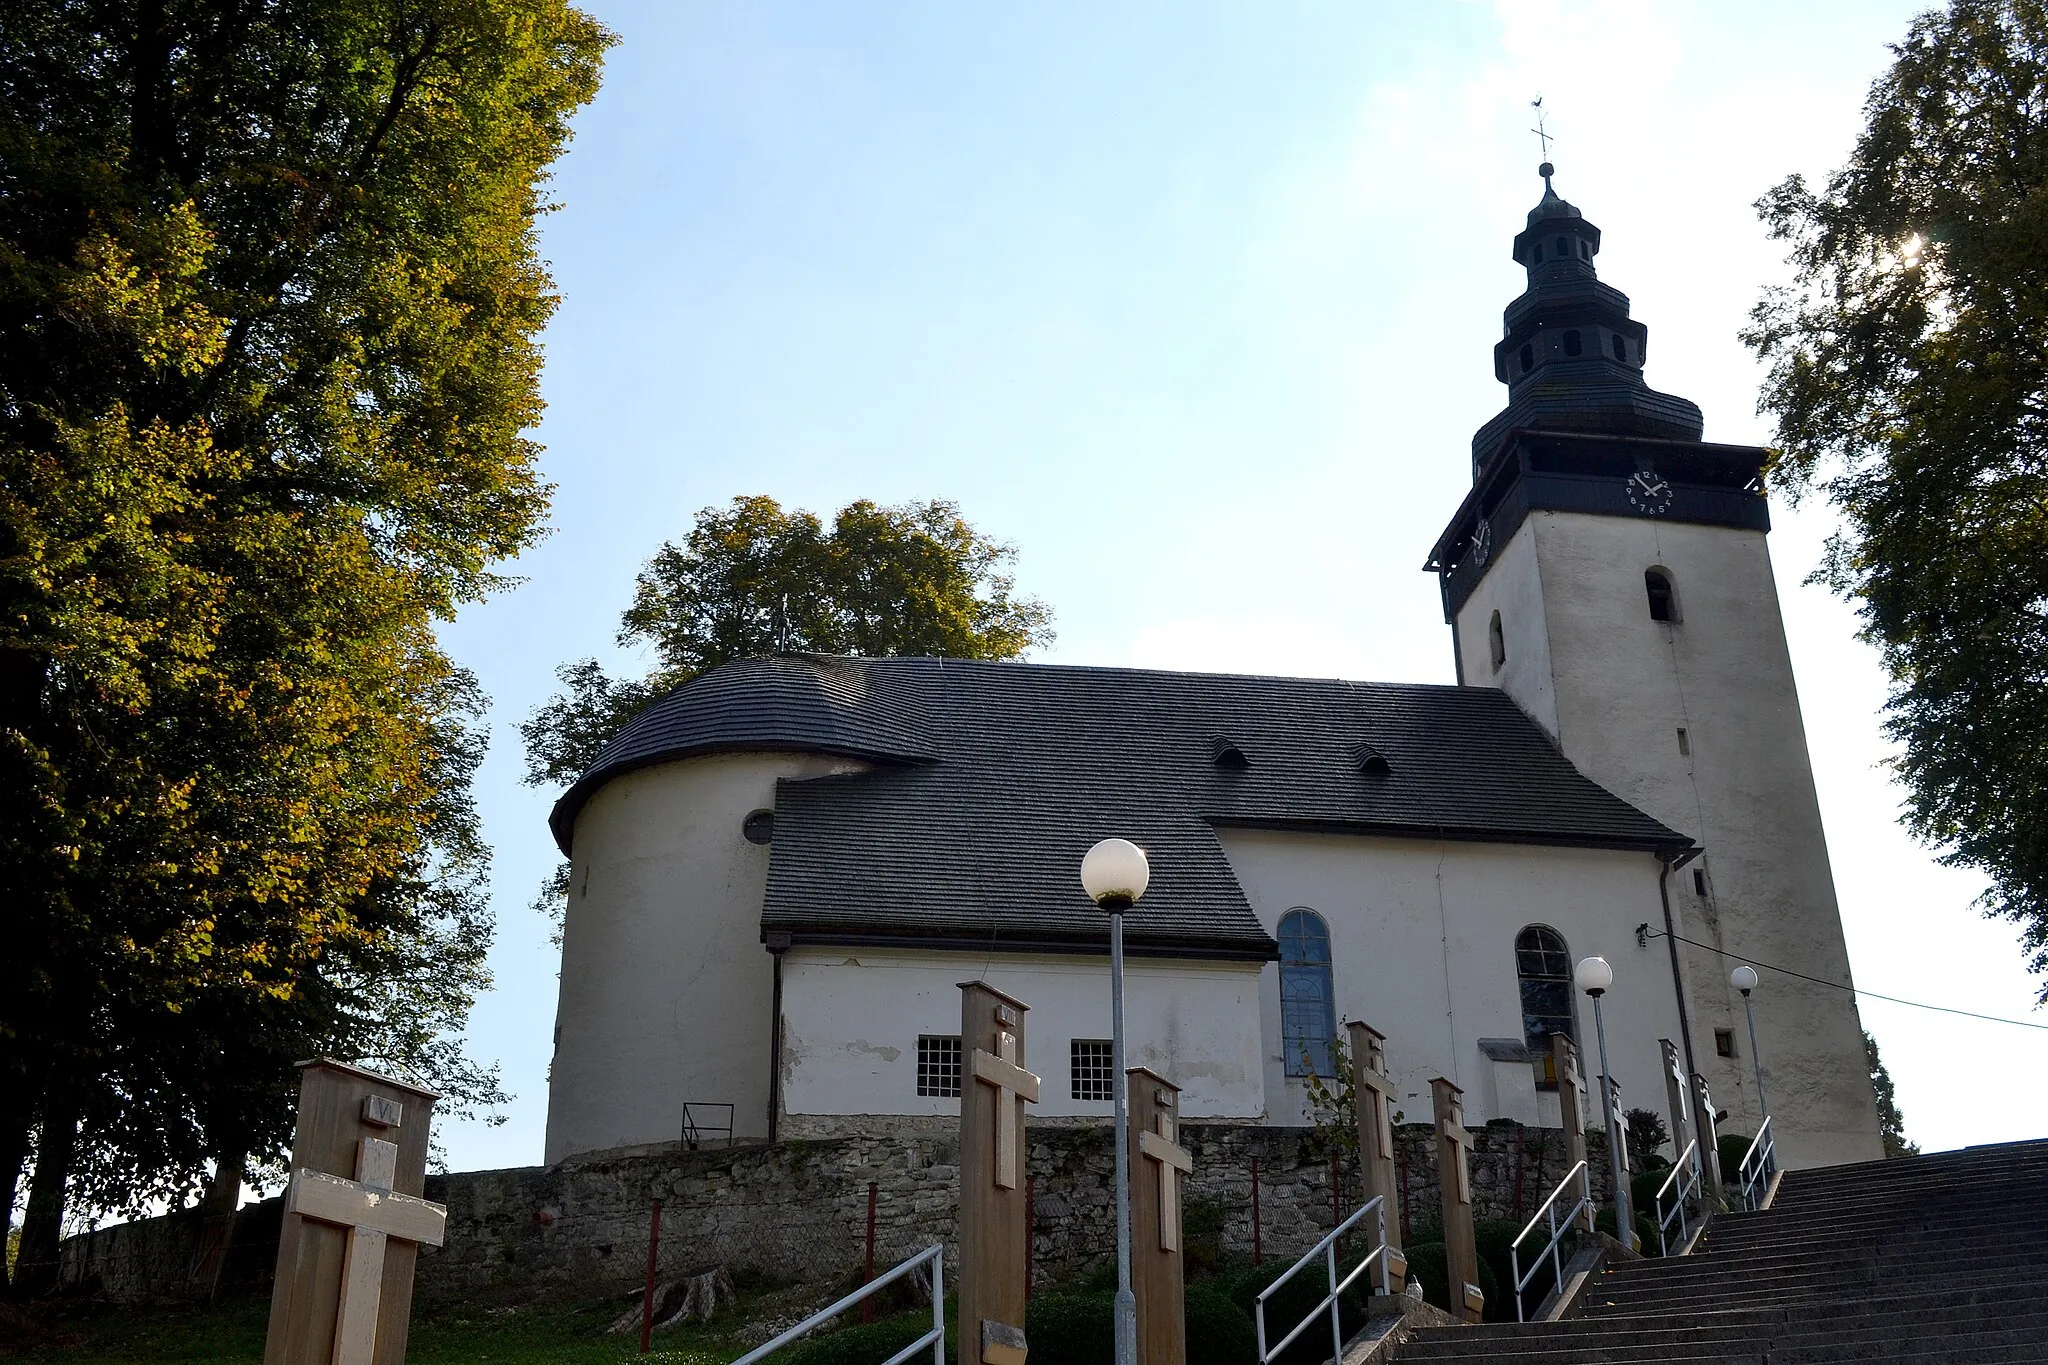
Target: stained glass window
x,y
1308,1008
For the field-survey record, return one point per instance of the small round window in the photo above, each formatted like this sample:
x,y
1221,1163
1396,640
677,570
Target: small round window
x,y
759,827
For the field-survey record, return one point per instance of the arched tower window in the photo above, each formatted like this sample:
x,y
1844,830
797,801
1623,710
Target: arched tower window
x,y
1308,1010
1564,246
1528,358
1620,348
1544,969
1663,596
1496,643
1536,256
1572,344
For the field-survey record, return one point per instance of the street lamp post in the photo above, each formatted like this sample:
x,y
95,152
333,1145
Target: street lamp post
x,y
1115,873
1594,976
1743,979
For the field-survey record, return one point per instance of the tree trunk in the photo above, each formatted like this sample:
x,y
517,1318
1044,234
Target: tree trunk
x,y
14,1125
217,1220
42,1226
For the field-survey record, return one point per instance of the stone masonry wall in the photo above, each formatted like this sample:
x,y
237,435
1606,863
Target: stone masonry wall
x,y
798,1209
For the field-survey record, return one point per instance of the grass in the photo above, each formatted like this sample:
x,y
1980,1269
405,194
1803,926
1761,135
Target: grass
x,y
232,1334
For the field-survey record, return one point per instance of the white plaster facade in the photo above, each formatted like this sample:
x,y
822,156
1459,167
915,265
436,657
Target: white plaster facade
x,y
666,993
852,1018
1696,722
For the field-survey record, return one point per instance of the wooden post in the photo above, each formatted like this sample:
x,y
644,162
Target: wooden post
x,y
1374,1103
1571,1107
1454,1173
1709,1134
653,1262
1677,1097
353,1220
995,1251
1158,1161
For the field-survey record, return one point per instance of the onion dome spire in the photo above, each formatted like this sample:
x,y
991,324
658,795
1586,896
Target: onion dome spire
x,y
1571,356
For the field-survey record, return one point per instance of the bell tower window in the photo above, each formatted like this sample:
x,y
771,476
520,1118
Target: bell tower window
x,y
1496,643
1620,349
1572,343
1528,358
1663,596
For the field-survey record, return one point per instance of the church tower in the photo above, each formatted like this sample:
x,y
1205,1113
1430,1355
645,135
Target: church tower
x,y
1609,571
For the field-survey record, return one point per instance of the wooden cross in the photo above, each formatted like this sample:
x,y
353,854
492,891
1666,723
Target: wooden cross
x,y
372,1214
1173,1161
1376,1082
1460,1143
1013,1085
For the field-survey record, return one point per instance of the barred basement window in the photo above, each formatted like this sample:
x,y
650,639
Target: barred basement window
x,y
938,1066
1089,1076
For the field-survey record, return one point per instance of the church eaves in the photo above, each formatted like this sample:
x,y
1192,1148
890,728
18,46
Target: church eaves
x,y
996,777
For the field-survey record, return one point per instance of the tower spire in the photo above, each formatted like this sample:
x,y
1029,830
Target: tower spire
x,y
1570,354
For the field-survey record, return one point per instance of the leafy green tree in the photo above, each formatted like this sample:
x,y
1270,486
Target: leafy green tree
x,y
1890,1121
269,301
751,579
1909,384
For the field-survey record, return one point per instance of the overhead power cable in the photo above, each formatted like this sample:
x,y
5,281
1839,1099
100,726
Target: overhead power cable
x,y
1644,934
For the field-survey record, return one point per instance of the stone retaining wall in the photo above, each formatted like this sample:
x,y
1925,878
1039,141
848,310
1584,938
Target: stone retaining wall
x,y
798,1209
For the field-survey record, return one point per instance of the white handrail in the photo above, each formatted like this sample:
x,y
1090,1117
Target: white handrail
x,y
1584,1176
1328,1247
1686,1175
936,1338
1763,1155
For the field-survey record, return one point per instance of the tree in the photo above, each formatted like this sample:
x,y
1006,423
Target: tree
x,y
1891,1123
269,301
751,579
1908,381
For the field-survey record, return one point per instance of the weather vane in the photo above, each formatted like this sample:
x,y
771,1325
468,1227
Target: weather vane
x,y
1541,136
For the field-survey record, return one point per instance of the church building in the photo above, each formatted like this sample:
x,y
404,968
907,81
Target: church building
x,y
781,871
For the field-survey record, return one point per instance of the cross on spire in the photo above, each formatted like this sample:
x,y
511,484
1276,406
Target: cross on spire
x,y
1541,135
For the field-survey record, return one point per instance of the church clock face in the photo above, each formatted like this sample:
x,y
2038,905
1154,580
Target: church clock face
x,y
1648,492
1482,543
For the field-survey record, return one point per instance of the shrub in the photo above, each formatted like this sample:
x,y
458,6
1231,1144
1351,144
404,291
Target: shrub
x,y
1426,1262
1219,1332
1201,1235
1294,1302
1646,1229
1073,1326
1493,1237
1734,1147
868,1343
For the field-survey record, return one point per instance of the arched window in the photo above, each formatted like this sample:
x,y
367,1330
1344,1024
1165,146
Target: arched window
x,y
1496,643
1585,251
1308,1010
1564,246
1544,969
1663,597
1528,359
1572,344
1537,257
1620,348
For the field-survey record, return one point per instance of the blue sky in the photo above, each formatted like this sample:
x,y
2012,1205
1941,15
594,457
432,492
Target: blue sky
x,y
1194,304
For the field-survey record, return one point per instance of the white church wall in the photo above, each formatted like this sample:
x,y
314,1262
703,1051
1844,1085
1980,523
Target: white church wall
x,y
1423,949
665,986
1621,687
1514,588
852,1017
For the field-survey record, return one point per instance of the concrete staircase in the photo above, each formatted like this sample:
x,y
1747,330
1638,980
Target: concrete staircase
x,y
1927,1260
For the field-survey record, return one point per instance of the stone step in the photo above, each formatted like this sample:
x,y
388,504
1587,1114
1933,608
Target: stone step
x,y
1775,1328
2028,1284
1963,1225
1900,1259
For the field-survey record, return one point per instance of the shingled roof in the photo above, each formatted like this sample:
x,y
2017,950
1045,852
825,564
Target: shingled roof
x,y
992,780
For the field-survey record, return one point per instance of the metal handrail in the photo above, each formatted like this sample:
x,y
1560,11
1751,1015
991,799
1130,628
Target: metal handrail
x,y
1763,1154
1686,1175
936,1338
1584,1176
1377,1205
